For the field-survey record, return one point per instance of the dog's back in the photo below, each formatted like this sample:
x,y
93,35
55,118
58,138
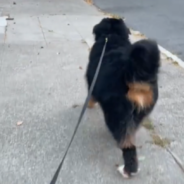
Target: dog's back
x,y
118,42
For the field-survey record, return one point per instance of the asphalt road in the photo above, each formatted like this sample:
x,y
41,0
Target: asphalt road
x,y
159,19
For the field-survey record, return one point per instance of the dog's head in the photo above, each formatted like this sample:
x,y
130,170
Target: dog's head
x,y
145,59
110,26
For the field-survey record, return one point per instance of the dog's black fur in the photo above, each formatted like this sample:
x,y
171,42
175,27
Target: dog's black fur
x,y
124,65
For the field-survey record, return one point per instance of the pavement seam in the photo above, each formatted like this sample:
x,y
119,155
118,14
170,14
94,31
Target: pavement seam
x,y
76,30
82,38
176,159
42,30
3,48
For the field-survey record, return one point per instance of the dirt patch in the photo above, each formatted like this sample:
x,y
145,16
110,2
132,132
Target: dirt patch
x,y
114,16
90,2
175,63
148,124
156,139
161,142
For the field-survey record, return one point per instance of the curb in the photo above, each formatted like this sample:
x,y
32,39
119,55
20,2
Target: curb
x,y
173,57
163,51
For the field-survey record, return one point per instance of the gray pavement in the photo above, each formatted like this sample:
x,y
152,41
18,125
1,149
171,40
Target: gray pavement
x,y
159,19
43,55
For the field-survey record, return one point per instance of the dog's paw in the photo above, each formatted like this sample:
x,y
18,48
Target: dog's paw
x,y
126,175
122,172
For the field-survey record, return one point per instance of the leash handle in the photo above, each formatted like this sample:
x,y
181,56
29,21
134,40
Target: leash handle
x,y
54,179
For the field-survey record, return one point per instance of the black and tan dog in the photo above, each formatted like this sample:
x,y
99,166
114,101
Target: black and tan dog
x,y
126,88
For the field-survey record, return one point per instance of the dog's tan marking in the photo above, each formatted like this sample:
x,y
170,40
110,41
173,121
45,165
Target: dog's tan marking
x,y
128,141
140,94
91,103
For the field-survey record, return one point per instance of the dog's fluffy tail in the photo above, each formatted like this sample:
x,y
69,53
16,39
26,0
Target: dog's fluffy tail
x,y
145,59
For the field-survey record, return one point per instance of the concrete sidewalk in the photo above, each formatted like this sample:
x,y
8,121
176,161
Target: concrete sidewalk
x,y
43,56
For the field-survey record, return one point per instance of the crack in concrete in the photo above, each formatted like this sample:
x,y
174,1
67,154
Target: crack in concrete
x,y
42,30
176,159
3,26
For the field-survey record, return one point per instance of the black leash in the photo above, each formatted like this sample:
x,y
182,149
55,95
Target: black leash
x,y
54,179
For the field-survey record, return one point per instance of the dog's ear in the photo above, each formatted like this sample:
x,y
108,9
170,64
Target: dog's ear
x,y
145,56
119,27
102,28
110,26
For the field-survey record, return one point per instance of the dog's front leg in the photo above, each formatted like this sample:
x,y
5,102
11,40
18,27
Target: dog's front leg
x,y
91,103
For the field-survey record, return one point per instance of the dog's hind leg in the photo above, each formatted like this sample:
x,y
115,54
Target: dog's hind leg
x,y
130,166
128,147
119,119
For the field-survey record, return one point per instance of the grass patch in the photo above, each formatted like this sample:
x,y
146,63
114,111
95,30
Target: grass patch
x,y
156,139
169,58
148,124
161,142
175,63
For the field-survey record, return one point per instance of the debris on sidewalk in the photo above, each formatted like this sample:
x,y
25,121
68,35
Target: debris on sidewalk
x,y
75,105
9,18
19,123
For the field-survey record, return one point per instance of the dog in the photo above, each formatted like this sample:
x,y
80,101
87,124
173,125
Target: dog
x,y
127,85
